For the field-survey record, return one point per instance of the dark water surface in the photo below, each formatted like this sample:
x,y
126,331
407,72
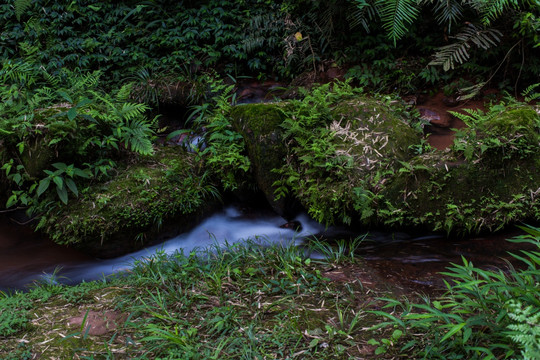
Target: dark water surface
x,y
404,262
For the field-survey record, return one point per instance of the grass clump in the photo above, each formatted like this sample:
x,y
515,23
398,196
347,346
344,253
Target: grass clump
x,y
484,314
243,302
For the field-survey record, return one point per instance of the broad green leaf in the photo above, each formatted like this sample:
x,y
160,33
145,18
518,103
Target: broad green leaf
x,y
60,166
43,185
11,201
59,181
453,330
65,96
84,102
72,114
71,185
81,173
62,194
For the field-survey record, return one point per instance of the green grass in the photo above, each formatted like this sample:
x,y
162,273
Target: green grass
x,y
484,314
245,301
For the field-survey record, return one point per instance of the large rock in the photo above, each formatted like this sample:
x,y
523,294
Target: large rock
x,y
148,201
360,162
339,167
259,125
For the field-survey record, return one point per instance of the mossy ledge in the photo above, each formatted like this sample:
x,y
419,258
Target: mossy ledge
x,y
259,125
150,200
362,163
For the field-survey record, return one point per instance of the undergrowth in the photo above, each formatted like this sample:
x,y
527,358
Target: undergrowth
x,y
252,301
484,314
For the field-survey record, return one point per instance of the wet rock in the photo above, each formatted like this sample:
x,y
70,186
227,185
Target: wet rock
x,y
434,118
97,322
259,125
450,101
151,200
292,225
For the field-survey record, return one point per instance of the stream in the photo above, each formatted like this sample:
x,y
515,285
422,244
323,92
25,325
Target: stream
x,y
407,263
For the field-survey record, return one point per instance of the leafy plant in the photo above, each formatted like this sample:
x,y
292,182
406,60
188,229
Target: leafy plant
x,y
64,127
507,129
484,313
224,146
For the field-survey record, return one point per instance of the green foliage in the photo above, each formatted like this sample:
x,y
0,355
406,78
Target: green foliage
x,y
273,294
20,7
14,314
449,55
62,129
397,16
341,148
483,314
224,147
122,37
525,328
128,210
506,130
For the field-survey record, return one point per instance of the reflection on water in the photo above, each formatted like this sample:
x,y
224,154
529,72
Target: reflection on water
x,y
403,261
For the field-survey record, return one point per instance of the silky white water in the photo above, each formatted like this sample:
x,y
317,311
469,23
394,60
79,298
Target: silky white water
x,y
228,226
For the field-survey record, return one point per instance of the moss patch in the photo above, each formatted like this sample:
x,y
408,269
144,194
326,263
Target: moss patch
x,y
164,192
259,125
340,158
440,193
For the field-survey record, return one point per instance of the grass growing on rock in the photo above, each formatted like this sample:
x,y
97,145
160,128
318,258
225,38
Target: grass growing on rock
x,y
130,210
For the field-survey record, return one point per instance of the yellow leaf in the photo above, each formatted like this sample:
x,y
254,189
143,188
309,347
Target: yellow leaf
x,y
298,36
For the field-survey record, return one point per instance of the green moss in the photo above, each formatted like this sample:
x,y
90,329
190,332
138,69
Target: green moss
x,y
259,125
440,193
337,168
513,122
142,200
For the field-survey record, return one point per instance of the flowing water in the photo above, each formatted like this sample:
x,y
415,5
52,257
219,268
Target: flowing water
x,y
406,262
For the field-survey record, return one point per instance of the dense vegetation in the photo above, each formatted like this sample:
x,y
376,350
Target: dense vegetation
x,y
83,153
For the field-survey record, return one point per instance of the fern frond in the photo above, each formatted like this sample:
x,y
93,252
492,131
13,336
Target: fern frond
x,y
137,134
458,52
448,12
124,93
490,10
20,7
130,111
530,93
396,15
361,12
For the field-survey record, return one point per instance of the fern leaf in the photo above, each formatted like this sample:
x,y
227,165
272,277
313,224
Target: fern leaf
x,y
448,13
530,93
449,55
490,10
130,111
20,7
396,15
362,12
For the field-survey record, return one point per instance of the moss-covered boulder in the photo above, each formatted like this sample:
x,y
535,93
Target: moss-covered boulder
x,y
489,179
340,156
157,197
259,125
442,192
358,161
